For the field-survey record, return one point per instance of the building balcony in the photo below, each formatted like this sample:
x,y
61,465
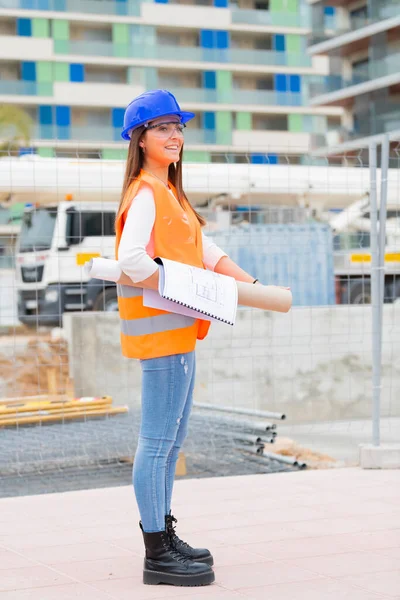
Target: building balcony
x,y
271,19
388,65
10,87
238,96
384,9
99,94
342,139
182,53
110,7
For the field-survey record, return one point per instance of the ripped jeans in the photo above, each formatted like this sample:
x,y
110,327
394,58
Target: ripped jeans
x,y
167,397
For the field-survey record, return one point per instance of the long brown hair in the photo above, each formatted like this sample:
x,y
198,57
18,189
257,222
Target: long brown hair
x,y
134,164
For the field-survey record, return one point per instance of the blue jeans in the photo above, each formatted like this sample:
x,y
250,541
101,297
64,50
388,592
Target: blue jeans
x,y
167,398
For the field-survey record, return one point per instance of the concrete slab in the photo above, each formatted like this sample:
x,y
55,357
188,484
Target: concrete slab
x,y
384,456
309,534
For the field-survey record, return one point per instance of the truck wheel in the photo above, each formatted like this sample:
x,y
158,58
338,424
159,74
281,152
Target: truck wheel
x,y
106,301
360,293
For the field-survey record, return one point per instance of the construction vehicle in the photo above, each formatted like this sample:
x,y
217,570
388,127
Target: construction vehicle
x,y
58,237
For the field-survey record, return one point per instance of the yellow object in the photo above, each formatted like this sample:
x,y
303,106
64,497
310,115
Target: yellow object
x,y
391,257
180,469
24,419
84,257
358,258
58,405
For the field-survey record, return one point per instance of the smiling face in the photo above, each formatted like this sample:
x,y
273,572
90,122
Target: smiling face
x,y
162,142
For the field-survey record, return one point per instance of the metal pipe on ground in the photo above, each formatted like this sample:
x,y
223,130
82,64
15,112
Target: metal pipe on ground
x,y
289,460
242,411
256,426
252,440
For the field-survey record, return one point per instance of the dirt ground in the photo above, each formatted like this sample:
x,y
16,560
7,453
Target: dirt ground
x,y
33,365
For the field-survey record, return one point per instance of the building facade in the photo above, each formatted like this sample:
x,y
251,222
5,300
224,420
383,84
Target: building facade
x,y
243,68
361,40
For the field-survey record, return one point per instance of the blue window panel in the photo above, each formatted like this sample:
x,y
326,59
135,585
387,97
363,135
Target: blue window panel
x,y
222,39
258,159
43,5
24,27
329,11
23,151
209,80
221,3
279,43
117,117
76,72
295,83
161,1
209,120
45,115
121,7
63,131
28,71
27,4
264,159
281,82
60,5
207,38
63,116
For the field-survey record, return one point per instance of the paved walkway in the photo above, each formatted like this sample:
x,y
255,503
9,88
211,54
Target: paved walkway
x,y
312,535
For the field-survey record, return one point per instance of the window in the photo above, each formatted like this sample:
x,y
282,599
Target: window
x,y
83,224
262,5
97,223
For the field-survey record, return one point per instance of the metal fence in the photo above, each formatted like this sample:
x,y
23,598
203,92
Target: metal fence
x,y
311,384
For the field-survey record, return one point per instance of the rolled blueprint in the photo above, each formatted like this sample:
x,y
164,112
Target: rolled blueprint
x,y
265,297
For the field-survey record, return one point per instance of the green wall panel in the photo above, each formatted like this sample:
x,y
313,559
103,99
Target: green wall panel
x,y
60,29
294,43
243,121
114,154
276,6
223,121
292,5
61,71
120,33
224,80
121,50
41,28
46,152
44,71
44,89
196,156
295,122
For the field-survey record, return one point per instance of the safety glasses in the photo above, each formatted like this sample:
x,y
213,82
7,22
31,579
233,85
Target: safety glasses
x,y
167,129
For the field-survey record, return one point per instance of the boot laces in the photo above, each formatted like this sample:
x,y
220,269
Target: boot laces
x,y
174,538
174,553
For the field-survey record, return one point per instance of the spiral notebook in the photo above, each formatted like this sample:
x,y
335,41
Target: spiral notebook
x,y
193,292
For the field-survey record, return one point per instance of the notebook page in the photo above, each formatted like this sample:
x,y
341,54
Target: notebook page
x,y
202,290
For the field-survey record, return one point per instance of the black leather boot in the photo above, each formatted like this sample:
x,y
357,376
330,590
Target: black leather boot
x,y
197,554
164,564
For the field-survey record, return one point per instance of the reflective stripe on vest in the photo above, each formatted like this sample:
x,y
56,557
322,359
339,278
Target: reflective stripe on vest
x,y
128,291
157,324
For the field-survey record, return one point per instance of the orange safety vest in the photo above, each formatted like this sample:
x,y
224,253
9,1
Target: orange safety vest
x,y
148,332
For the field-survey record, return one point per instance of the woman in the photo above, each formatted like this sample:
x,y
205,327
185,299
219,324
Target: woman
x,y
155,218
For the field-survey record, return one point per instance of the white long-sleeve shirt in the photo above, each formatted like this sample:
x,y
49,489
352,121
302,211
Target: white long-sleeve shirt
x,y
137,236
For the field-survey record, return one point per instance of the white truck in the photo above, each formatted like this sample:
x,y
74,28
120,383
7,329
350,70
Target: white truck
x,y
58,237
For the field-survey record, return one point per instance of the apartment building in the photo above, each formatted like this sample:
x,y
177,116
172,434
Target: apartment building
x,y
242,67
361,40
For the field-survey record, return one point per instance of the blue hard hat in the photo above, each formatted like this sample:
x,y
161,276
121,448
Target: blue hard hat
x,y
150,106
